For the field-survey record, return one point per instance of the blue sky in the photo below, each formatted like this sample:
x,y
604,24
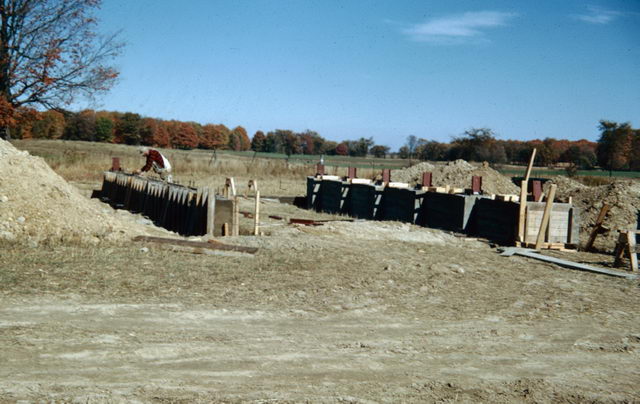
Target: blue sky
x,y
385,69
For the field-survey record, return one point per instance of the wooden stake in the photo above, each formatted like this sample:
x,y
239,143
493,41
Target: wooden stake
x,y
530,166
523,211
211,211
598,226
256,216
230,188
631,249
545,216
235,225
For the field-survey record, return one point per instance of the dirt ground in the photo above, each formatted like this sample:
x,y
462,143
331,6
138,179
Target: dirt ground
x,y
350,311
355,312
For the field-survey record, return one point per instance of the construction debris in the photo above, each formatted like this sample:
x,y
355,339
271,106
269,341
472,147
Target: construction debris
x,y
197,247
509,251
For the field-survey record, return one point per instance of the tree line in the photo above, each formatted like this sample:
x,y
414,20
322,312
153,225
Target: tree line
x,y
134,129
618,147
481,144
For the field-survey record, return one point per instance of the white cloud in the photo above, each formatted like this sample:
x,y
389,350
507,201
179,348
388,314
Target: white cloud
x,y
598,15
459,28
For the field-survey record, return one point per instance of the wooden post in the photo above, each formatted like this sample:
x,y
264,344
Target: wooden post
x,y
598,226
253,184
618,253
211,211
530,166
522,230
256,216
545,216
631,248
235,222
229,188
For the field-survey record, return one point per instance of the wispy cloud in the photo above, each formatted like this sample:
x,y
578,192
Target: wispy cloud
x,y
458,28
598,15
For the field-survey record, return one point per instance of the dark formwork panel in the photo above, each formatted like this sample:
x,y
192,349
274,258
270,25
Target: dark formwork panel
x,y
495,220
401,204
447,211
333,196
313,193
364,201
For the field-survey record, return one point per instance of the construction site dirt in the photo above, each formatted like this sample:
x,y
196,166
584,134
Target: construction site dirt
x,y
344,311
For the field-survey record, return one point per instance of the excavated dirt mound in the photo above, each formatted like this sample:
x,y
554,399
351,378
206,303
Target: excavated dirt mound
x,y
37,205
457,174
622,196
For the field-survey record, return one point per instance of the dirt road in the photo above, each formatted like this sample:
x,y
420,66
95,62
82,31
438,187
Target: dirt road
x,y
66,349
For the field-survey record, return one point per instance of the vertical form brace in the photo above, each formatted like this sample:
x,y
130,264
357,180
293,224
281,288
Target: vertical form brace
x,y
115,164
256,216
476,184
211,210
537,190
427,179
235,218
351,173
545,216
522,226
386,176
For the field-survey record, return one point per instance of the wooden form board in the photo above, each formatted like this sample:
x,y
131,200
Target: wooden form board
x,y
563,226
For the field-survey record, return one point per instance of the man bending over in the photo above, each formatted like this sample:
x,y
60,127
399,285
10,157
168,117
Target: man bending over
x,y
157,161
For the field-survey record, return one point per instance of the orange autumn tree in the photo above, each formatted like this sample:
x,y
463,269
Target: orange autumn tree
x,y
50,125
153,132
214,137
182,135
51,54
239,140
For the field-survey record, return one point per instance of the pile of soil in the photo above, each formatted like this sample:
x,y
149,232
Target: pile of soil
x,y
457,174
37,205
622,196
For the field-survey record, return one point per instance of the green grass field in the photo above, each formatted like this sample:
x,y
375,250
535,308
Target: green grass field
x,y
544,173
